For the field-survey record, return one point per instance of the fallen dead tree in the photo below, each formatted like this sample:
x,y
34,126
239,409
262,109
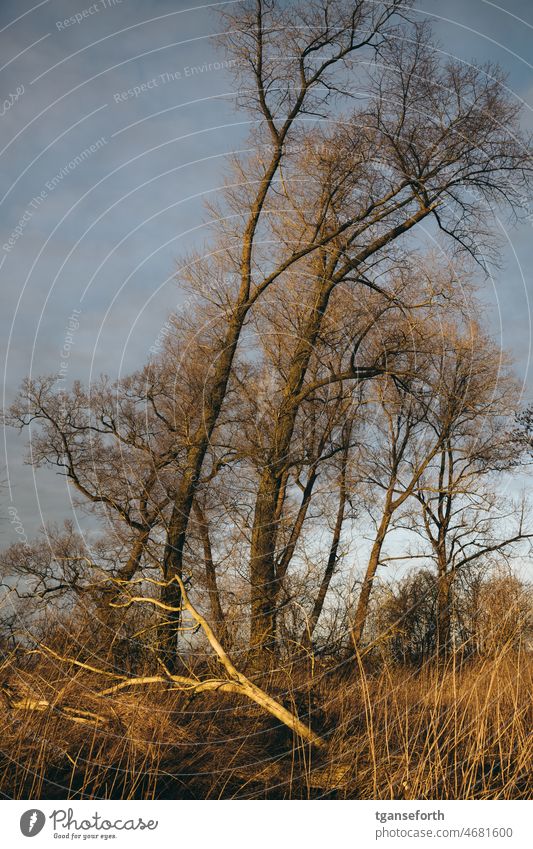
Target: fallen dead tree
x,y
233,681
33,703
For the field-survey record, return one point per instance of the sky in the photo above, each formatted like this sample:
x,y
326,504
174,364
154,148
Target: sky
x,y
115,121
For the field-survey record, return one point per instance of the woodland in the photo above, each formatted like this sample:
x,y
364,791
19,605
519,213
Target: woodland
x,y
307,573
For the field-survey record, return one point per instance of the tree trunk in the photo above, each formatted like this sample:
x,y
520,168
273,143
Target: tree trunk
x,y
307,636
288,552
263,571
169,626
217,614
444,619
264,534
361,613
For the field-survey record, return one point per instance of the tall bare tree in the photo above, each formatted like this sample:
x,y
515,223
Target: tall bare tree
x,y
322,206
462,516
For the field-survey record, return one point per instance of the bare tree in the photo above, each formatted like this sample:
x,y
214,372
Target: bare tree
x,y
102,441
463,517
352,191
322,207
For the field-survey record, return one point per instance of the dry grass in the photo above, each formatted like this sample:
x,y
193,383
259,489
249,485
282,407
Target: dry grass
x,y
458,732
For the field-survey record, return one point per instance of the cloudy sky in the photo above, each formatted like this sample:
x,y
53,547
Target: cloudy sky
x,y
114,124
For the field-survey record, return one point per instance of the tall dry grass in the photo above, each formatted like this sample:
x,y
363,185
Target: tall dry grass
x,y
460,730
